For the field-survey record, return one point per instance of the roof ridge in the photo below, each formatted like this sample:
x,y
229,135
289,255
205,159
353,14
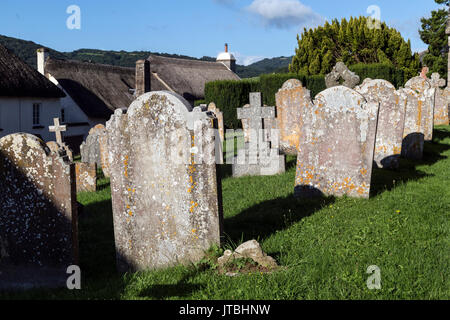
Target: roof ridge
x,y
90,64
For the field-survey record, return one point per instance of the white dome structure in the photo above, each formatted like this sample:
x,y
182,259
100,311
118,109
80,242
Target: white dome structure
x,y
227,59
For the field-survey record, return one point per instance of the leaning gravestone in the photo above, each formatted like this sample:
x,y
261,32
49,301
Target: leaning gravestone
x,y
260,156
441,116
425,105
339,73
391,120
164,184
336,145
290,100
38,216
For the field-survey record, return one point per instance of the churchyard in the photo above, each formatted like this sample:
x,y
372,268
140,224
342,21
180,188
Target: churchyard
x,y
353,193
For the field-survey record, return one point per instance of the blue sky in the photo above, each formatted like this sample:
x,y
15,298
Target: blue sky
x,y
254,29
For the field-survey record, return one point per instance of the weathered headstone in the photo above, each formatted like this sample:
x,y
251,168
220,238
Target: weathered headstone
x,y
391,120
336,145
441,116
86,177
260,156
219,115
104,154
425,104
413,133
340,71
90,149
38,216
290,99
164,184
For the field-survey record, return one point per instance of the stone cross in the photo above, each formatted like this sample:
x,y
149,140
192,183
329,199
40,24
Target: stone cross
x,y
256,112
57,129
436,81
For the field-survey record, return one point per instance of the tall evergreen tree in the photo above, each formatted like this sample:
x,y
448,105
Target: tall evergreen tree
x,y
433,34
352,42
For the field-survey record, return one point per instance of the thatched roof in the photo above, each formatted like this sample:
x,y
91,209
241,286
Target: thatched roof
x,y
17,79
187,77
97,89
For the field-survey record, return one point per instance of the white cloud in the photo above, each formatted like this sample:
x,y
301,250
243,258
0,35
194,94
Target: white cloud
x,y
245,60
285,13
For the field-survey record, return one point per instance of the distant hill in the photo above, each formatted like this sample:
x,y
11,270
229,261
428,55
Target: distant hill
x,y
26,50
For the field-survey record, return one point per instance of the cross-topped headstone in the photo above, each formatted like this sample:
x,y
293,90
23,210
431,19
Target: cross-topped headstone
x,y
57,129
256,112
436,81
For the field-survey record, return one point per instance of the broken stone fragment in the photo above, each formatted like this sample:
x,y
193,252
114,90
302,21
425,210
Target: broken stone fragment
x,y
248,250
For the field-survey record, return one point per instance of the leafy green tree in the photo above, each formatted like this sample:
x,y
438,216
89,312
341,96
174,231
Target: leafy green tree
x,y
433,34
352,42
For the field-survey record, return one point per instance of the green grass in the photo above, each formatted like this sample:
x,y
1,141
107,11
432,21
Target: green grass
x,y
324,245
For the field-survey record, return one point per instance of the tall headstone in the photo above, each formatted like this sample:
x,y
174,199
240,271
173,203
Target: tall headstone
x,y
290,99
391,120
38,214
166,193
413,133
340,73
219,116
441,116
426,95
260,156
336,145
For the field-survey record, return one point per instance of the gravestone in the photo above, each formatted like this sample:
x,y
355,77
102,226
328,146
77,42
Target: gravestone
x,y
441,116
104,155
336,145
90,149
166,193
339,73
61,150
260,156
391,120
426,96
413,133
219,116
58,129
86,177
290,99
245,127
38,216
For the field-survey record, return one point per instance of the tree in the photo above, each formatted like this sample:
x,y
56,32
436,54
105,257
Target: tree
x,y
433,34
352,42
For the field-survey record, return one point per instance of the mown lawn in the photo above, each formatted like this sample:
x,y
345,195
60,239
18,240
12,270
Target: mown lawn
x,y
325,246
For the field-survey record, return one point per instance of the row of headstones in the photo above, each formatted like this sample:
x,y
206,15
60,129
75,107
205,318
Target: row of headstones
x,y
165,187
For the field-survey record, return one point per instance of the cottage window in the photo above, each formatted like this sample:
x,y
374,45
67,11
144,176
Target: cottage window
x,y
37,114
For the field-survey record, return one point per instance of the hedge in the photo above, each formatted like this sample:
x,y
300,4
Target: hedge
x,y
230,95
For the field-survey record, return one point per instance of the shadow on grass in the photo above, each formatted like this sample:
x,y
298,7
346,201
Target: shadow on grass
x,y
268,217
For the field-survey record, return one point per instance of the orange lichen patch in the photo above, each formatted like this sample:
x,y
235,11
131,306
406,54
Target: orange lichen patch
x,y
397,150
130,213
419,114
363,171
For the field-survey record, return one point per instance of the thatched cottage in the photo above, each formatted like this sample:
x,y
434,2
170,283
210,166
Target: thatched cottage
x,y
94,91
28,101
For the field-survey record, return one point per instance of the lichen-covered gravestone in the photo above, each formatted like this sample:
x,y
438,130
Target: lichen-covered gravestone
x,y
86,177
391,120
341,72
38,216
336,145
441,116
290,100
164,184
425,105
260,156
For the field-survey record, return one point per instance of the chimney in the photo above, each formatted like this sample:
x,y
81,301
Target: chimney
x,y
227,59
42,55
143,81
